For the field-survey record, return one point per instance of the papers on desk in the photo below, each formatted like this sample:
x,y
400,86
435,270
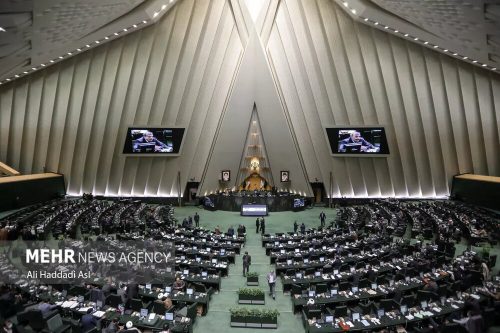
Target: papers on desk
x,y
84,309
99,314
365,322
475,296
454,306
69,304
409,317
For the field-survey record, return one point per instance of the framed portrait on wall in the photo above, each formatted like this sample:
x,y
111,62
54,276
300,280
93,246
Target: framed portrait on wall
x,y
226,175
285,176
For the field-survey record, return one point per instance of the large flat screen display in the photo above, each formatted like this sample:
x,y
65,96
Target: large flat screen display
x,y
357,141
153,141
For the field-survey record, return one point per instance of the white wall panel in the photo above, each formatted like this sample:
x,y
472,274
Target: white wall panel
x,y
441,115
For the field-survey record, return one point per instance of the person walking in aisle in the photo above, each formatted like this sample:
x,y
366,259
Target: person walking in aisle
x,y
247,261
302,228
271,280
257,224
322,218
262,226
295,227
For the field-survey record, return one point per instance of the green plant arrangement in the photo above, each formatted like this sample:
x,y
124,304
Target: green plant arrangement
x,y
252,279
243,317
251,296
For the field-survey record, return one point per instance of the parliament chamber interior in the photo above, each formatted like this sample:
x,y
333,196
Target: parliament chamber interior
x,y
245,165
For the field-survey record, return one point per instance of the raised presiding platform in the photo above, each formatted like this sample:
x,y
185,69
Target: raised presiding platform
x,y
237,201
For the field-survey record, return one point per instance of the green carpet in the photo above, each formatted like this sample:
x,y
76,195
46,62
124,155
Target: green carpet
x,y
217,319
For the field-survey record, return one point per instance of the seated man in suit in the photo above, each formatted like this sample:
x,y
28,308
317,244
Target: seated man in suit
x,y
355,138
88,321
148,137
46,307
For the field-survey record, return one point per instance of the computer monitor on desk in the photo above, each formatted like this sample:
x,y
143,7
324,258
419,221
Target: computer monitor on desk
x,y
169,316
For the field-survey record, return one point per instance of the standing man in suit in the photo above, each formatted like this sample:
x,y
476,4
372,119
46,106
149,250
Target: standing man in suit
x,y
197,220
295,226
257,224
322,218
247,261
262,226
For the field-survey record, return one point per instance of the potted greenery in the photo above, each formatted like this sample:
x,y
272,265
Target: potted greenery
x,y
252,279
243,317
238,317
269,318
254,318
251,296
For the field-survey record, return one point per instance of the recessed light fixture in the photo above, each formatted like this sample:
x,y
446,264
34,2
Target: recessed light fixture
x,y
455,54
426,43
163,7
353,11
16,75
97,42
376,23
386,27
125,29
51,61
69,53
345,4
415,38
8,80
494,69
43,65
116,34
406,35
33,68
436,46
135,25
474,61
465,58
25,72
155,14
79,50
366,19
106,38
484,65
60,57
2,29
87,45
396,31
144,21
445,50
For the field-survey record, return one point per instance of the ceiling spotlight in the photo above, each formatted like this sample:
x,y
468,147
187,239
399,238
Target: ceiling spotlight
x,y
7,79
366,19
25,72
445,50
455,54
135,25
144,21
376,23
465,58
171,1
386,27
494,69
51,61
436,46
345,4
2,29
484,65
116,34
60,57
426,43
79,50
396,31
125,29
97,42
474,61
415,38
69,53
155,14
87,45
406,35
106,38
33,68
16,75
43,65
163,7
353,11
